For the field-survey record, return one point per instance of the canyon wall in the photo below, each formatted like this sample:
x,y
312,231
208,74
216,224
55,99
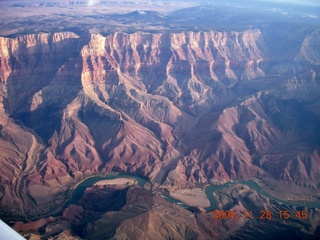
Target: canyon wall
x,y
177,108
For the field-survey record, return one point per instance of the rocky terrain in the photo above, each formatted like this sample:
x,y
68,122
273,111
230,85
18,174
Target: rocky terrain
x,y
174,108
133,213
179,108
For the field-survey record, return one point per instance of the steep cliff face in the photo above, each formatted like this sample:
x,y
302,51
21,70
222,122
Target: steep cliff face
x,y
178,109
310,50
28,64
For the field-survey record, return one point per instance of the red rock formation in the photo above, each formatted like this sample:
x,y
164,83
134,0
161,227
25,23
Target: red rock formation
x,y
178,108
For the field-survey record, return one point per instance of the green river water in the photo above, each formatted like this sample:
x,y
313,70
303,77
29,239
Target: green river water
x,y
81,187
209,190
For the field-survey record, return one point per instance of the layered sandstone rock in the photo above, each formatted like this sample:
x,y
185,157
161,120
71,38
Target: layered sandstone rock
x,y
179,109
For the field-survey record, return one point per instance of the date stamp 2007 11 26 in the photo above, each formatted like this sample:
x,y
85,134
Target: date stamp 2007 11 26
x,y
264,214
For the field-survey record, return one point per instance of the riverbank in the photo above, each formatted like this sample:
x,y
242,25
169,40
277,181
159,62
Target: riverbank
x,y
195,197
118,181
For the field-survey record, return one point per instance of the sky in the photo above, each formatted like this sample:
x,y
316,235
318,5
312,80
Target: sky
x,y
300,2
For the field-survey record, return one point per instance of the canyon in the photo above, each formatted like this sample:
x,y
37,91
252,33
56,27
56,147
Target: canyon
x,y
181,109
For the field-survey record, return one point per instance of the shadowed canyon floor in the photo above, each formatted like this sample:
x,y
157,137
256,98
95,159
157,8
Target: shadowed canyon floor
x,y
181,107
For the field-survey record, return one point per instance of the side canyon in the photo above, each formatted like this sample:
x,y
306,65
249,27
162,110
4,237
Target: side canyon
x,y
180,109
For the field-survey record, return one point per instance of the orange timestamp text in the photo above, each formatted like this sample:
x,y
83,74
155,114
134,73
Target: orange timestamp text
x,y
263,214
